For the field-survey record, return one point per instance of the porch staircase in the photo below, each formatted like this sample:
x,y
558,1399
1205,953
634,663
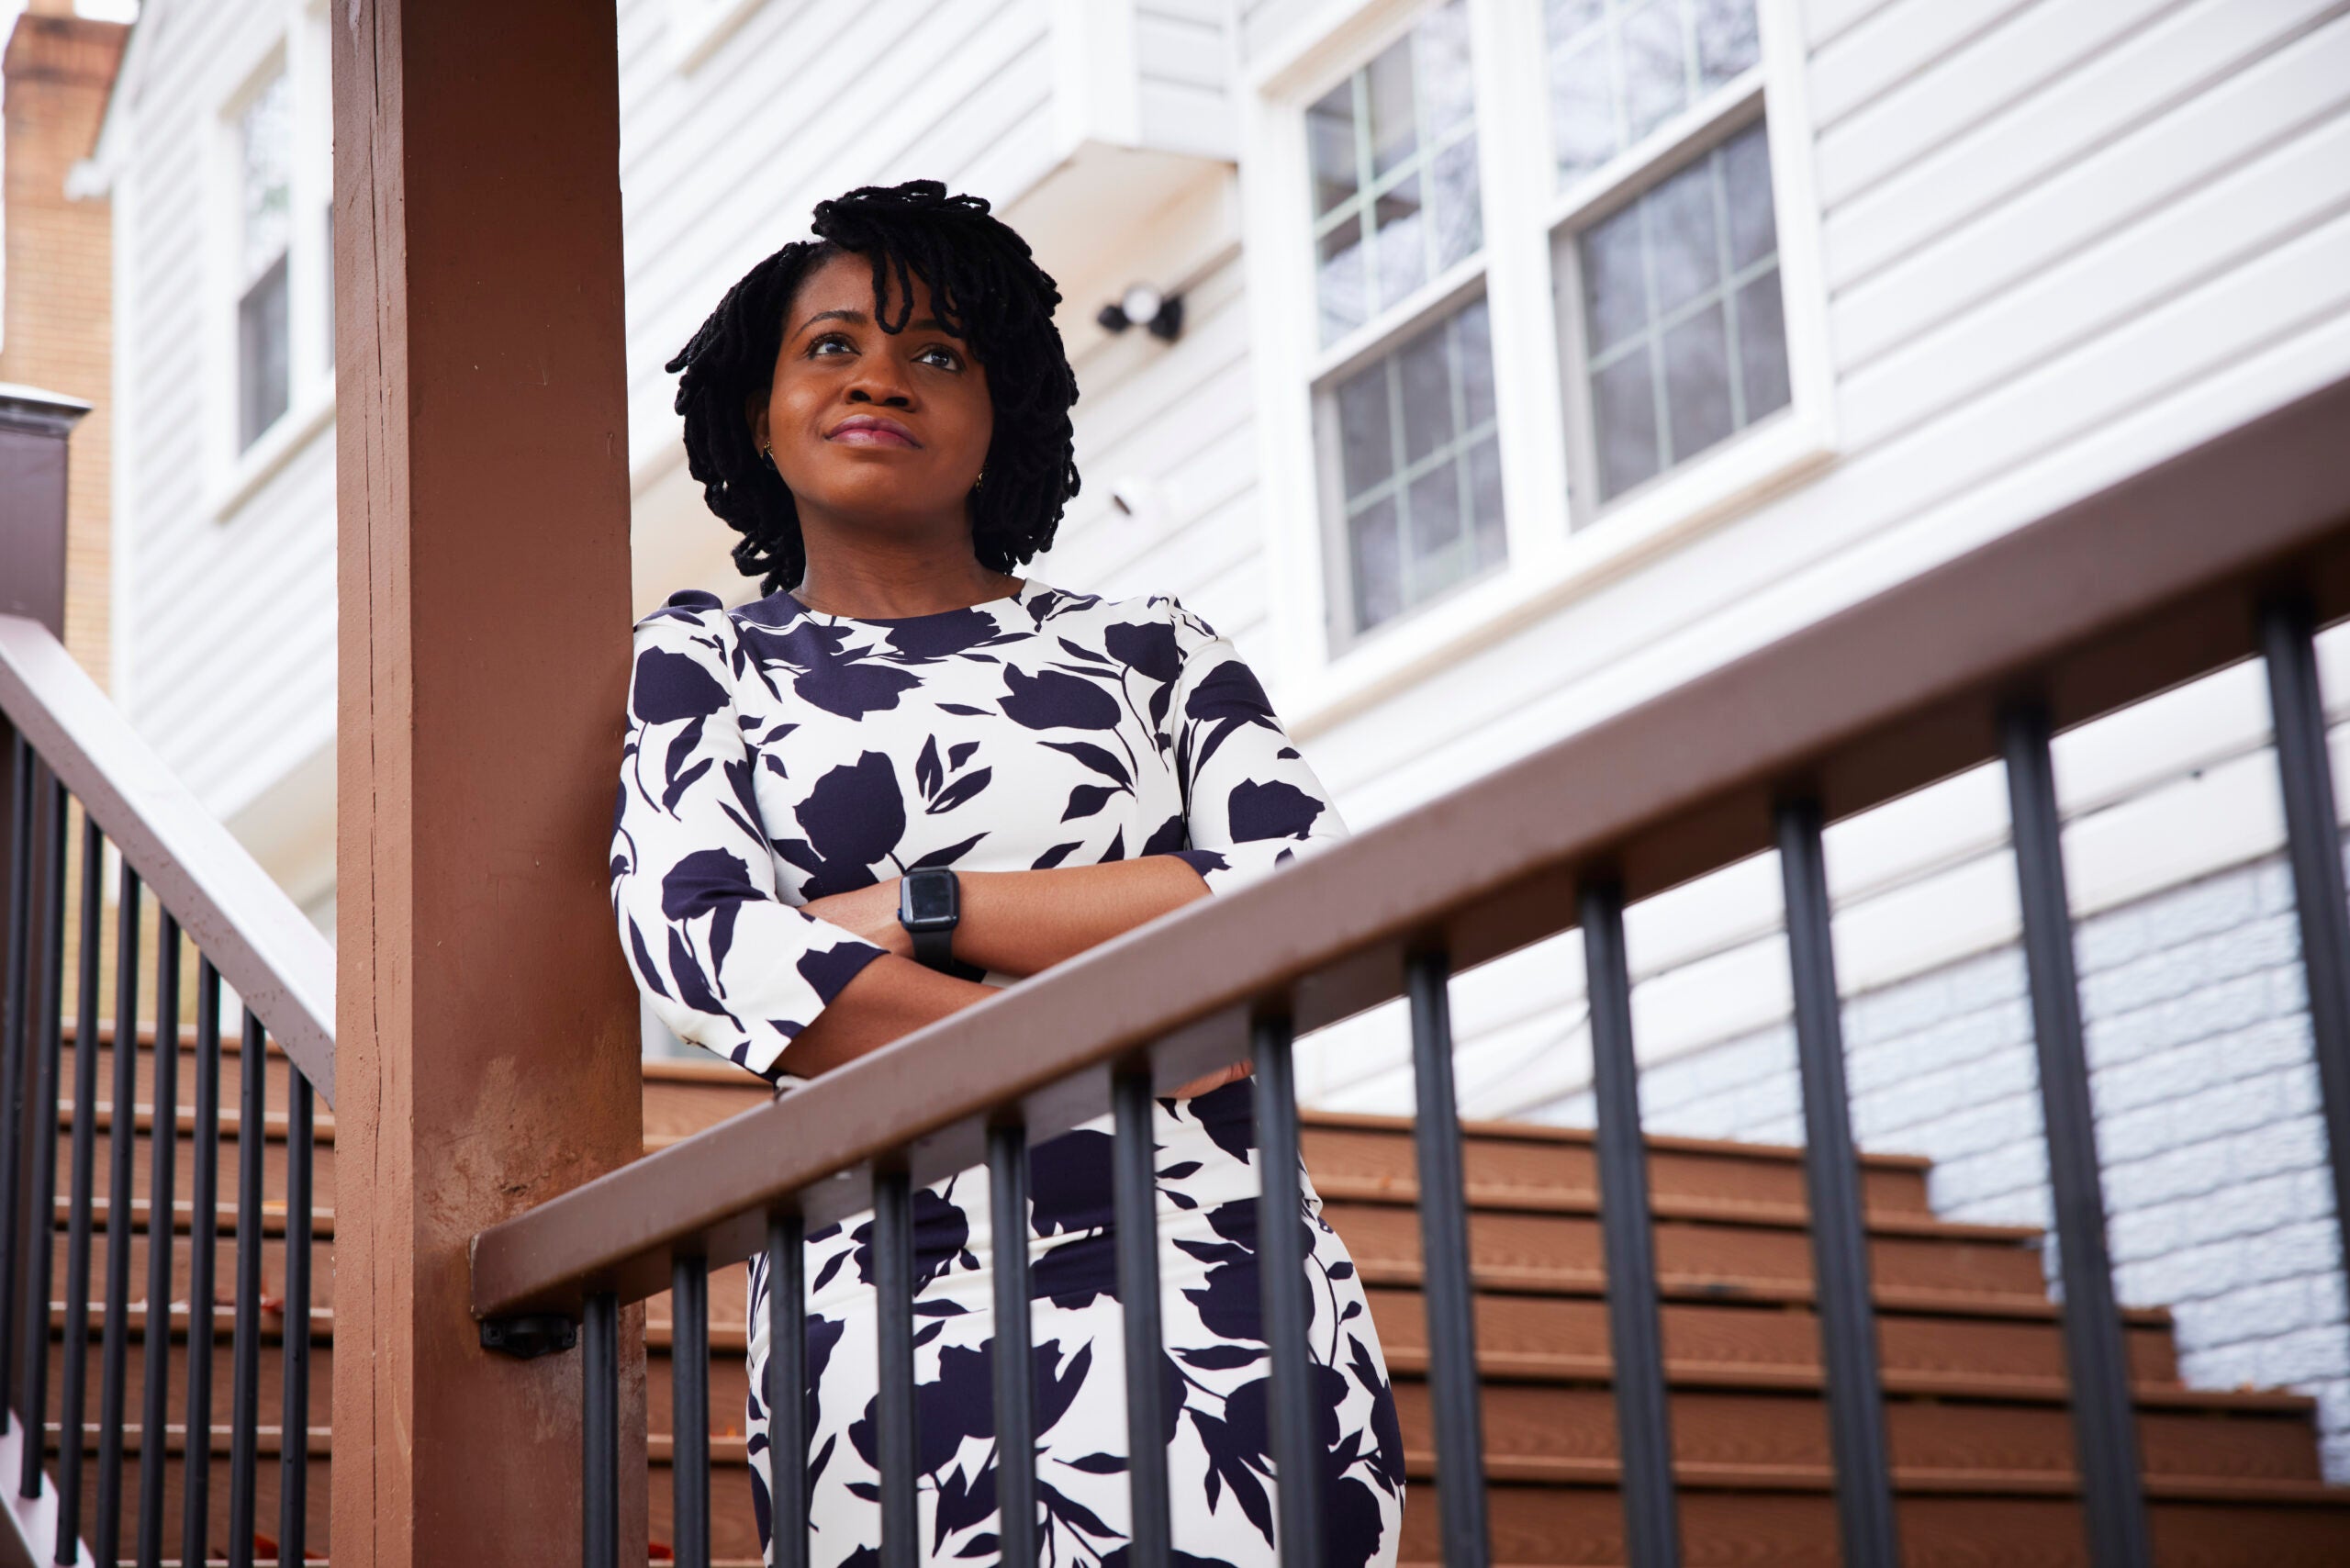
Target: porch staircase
x,y
1972,1363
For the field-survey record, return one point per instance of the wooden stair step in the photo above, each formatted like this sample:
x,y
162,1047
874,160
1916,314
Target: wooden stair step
x,y
274,1171
1522,1155
224,1219
1703,1210
1738,1259
223,1266
1796,1528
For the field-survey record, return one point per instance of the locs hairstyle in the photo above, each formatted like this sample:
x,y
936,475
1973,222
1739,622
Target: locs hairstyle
x,y
987,289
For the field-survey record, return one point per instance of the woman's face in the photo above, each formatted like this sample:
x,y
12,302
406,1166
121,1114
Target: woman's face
x,y
869,427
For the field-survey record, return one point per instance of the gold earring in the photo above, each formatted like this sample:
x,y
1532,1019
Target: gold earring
x,y
978,479
768,453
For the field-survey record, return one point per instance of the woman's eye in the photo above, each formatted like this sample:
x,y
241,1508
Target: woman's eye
x,y
830,342
941,357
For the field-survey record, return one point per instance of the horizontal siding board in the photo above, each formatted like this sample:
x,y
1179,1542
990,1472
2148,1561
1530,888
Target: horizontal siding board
x,y
1179,50
2035,49
2145,86
1893,45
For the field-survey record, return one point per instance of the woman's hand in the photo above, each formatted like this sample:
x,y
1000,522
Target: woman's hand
x,y
871,912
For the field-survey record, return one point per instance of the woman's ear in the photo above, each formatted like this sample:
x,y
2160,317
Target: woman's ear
x,y
756,408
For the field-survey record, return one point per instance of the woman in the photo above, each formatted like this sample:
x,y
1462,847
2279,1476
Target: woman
x,y
883,414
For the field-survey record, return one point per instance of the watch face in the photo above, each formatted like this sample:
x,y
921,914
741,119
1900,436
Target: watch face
x,y
930,899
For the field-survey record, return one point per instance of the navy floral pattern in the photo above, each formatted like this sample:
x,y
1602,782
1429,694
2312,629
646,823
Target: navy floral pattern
x,y
776,755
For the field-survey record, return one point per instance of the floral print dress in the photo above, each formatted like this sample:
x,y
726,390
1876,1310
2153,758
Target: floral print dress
x,y
776,755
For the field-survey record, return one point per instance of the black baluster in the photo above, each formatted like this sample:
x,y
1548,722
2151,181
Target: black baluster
x,y
1282,1248
689,1407
1444,1262
1839,1244
122,1147
40,1214
1134,1204
897,1439
787,1388
1644,1414
204,1232
294,1444
73,1389
1015,1401
2314,840
599,1430
2105,1426
244,1375
156,1387
23,786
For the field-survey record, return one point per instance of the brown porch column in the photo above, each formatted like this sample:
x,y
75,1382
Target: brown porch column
x,y
487,1054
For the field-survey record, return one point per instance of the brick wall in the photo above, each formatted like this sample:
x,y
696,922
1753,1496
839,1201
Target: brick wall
x,y
59,320
2208,1121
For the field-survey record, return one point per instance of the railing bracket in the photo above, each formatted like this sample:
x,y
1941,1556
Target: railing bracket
x,y
529,1335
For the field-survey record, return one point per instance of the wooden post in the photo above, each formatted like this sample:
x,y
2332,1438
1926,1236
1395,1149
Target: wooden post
x,y
488,1049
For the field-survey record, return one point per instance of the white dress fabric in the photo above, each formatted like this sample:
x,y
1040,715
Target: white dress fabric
x,y
776,755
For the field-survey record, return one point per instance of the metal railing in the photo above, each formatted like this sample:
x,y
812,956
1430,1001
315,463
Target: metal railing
x,y
2239,549
80,782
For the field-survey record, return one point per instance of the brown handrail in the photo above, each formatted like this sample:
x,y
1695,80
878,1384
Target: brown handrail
x,y
262,944
2108,601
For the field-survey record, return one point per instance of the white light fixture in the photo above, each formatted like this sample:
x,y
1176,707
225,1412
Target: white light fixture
x,y
1143,306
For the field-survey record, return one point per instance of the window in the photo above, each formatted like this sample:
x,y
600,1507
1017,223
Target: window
x,y
265,162
1420,467
1394,150
1408,429
1683,330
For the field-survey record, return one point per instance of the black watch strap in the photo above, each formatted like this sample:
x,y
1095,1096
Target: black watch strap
x,y
935,949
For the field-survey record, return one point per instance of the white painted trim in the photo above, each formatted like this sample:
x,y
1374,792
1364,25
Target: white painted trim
x,y
273,450
1097,73
34,1519
122,531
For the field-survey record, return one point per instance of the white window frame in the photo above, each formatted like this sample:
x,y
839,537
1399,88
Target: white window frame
x,y
1561,544
300,50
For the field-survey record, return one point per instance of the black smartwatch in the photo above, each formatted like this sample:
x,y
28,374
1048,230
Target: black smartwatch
x,y
930,904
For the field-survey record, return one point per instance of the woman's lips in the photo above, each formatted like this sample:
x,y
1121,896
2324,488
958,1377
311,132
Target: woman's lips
x,y
871,429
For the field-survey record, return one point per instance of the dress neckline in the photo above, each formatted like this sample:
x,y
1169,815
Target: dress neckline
x,y
999,607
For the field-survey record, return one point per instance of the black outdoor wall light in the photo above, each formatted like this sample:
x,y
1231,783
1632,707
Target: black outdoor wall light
x,y
1143,306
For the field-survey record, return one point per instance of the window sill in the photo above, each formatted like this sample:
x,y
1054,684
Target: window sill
x,y
265,458
1645,524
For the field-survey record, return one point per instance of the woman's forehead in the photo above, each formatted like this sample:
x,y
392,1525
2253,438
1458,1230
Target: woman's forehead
x,y
844,283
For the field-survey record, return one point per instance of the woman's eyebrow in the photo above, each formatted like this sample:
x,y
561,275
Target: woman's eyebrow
x,y
859,318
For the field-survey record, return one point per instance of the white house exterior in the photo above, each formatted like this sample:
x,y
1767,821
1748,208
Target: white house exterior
x,y
1537,356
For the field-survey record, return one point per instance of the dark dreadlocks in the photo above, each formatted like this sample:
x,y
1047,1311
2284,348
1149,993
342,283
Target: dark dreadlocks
x,y
987,289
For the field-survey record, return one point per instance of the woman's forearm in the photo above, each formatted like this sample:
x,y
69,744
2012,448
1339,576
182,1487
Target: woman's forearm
x,y
888,997
1020,923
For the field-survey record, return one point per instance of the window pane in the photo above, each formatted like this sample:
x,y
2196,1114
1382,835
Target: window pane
x,y
1474,329
1762,346
1436,529
1459,224
1624,406
1330,144
266,145
1696,384
1583,106
1619,70
1485,493
1343,306
1403,245
1427,396
261,354
1655,70
1366,453
1685,246
1727,40
1658,301
1392,153
1394,124
1615,279
1415,540
1377,564
1746,175
1442,43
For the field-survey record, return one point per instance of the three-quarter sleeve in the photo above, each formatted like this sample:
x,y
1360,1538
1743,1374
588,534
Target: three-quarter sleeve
x,y
723,960
1250,802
